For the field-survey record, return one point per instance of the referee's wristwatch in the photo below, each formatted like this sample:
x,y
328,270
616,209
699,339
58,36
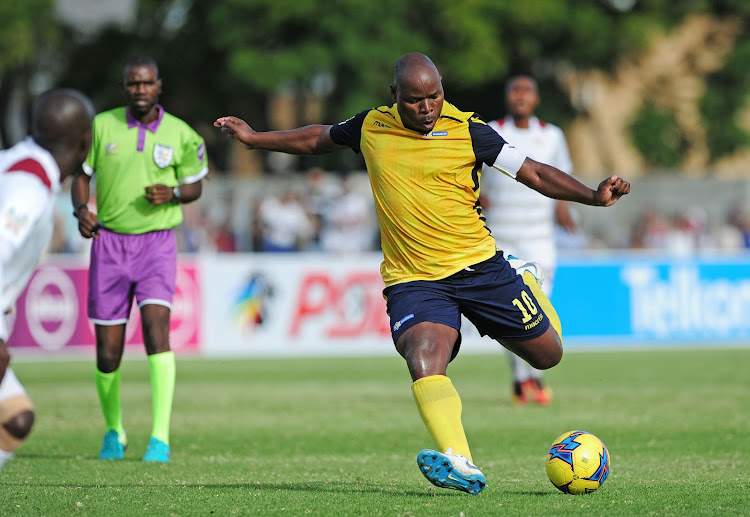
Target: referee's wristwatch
x,y
176,195
78,208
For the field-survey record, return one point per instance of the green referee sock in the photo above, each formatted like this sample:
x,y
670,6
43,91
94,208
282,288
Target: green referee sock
x,y
108,388
162,369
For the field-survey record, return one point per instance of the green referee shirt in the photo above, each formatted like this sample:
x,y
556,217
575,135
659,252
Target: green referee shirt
x,y
128,156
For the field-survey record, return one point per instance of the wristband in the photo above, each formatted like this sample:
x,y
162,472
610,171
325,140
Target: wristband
x,y
78,208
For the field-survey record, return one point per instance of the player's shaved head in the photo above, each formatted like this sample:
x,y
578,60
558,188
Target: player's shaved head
x,y
413,67
61,115
417,90
61,123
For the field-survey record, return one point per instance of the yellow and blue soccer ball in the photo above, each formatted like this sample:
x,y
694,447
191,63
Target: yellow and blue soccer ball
x,y
578,463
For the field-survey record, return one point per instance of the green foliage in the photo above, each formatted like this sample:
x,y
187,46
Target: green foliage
x,y
330,437
231,57
655,134
725,97
24,28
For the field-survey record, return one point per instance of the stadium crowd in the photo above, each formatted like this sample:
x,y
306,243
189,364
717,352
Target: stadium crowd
x,y
322,211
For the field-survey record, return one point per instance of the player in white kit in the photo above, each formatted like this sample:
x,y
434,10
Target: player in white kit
x,y
30,176
522,220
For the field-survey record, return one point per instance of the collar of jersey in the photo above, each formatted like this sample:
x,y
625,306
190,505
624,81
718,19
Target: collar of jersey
x,y
48,162
151,126
447,106
533,123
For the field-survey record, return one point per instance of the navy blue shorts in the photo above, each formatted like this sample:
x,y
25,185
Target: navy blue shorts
x,y
490,294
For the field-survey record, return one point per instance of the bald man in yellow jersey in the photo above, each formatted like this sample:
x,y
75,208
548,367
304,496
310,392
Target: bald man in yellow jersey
x,y
424,158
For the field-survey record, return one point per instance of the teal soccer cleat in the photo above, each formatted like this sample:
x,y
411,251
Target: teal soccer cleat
x,y
157,451
113,447
448,470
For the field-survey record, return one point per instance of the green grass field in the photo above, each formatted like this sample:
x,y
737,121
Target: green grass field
x,y
333,437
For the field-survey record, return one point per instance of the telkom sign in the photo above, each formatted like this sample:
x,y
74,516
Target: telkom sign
x,y
655,300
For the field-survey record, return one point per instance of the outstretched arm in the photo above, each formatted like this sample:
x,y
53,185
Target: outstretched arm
x,y
314,139
554,183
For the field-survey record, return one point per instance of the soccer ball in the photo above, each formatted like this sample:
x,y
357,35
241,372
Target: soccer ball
x,y
578,463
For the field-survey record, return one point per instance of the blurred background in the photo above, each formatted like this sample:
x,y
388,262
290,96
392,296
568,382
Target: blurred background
x,y
653,90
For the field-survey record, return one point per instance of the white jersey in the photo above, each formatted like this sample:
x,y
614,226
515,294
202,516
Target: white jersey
x,y
521,219
29,181
346,224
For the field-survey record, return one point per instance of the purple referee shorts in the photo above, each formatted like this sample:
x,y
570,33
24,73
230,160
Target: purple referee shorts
x,y
122,266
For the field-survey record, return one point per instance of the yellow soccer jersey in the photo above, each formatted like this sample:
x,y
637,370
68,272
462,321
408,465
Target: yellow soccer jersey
x,y
426,189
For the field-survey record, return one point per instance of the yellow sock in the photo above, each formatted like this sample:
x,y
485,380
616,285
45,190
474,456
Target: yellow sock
x,y
547,307
440,409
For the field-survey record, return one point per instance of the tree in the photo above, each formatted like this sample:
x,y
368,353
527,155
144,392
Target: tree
x,y
25,28
236,56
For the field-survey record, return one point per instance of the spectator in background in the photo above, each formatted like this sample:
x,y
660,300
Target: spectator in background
x,y
321,191
649,231
193,233
522,220
571,239
347,221
284,223
680,239
220,232
734,232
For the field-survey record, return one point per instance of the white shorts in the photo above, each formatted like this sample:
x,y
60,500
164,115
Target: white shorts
x,y
10,386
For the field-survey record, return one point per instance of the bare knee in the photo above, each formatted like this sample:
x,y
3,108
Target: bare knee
x,y
547,360
155,322
18,419
110,342
542,353
427,349
20,425
107,361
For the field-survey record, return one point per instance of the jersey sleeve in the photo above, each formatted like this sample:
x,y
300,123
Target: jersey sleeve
x,y
193,166
349,132
490,148
89,164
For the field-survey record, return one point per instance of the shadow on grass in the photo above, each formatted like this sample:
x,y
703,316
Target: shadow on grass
x,y
332,487
76,458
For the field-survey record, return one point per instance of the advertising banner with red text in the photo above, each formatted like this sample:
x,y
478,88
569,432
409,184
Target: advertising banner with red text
x,y
280,305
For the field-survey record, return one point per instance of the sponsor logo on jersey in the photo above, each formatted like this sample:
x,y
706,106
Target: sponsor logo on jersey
x,y
439,133
202,152
380,124
163,155
15,222
111,148
401,322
